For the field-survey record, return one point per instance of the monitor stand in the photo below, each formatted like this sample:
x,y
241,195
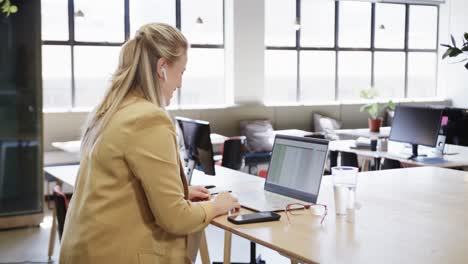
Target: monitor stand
x,y
415,154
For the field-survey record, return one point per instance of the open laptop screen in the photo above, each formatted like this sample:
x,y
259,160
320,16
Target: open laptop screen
x,y
296,167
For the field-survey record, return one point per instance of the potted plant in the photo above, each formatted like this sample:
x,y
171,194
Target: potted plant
x,y
454,51
373,109
8,8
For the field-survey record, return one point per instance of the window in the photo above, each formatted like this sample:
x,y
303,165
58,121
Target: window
x,y
354,24
325,50
56,75
202,22
81,45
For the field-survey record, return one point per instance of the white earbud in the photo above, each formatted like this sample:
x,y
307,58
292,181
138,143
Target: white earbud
x,y
163,70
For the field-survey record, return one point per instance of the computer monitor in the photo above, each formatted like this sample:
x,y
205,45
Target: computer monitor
x,y
197,141
416,126
454,126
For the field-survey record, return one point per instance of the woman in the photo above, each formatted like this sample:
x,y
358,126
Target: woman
x,y
131,202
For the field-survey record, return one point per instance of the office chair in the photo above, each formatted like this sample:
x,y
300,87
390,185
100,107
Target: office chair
x,y
61,207
333,156
233,153
349,159
252,159
389,164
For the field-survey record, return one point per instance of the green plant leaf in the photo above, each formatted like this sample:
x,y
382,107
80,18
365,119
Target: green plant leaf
x,y
370,93
363,108
453,41
466,65
371,109
455,52
466,36
446,45
446,53
13,9
465,48
391,105
1,1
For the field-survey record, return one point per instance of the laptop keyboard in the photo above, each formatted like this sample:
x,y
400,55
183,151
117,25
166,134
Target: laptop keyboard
x,y
261,197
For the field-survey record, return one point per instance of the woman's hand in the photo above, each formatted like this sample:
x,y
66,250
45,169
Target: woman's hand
x,y
225,202
198,193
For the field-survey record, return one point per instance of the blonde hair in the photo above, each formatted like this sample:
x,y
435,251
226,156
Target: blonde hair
x,y
135,72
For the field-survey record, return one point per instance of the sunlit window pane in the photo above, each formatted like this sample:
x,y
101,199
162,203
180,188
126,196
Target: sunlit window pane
x,y
96,21
280,76
389,70
423,27
54,15
56,76
318,23
354,24
210,13
280,16
94,67
203,80
317,76
389,26
354,73
422,76
151,11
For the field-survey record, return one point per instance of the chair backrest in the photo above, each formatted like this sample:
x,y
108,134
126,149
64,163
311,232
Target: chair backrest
x,y
259,135
389,164
349,159
333,156
61,207
233,153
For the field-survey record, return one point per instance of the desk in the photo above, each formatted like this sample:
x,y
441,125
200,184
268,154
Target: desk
x,y
53,158
450,161
413,215
73,146
364,132
293,132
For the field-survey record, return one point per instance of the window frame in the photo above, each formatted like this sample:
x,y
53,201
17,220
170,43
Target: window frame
x,y
72,43
298,48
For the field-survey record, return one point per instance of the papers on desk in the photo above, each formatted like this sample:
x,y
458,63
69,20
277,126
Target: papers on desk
x,y
361,143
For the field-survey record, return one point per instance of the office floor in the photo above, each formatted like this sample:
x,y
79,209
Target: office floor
x,y
29,245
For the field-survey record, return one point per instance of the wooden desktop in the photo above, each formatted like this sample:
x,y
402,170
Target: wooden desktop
x,y
412,215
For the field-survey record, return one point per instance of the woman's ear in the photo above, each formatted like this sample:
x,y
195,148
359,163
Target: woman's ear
x,y
161,69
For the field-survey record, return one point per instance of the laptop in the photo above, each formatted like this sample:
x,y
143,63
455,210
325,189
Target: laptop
x,y
294,174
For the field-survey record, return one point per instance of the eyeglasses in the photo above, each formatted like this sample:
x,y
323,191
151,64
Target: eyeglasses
x,y
300,209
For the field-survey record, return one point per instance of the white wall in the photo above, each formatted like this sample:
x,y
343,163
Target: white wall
x,y
454,77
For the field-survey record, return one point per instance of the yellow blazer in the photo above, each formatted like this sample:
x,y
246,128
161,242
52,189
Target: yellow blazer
x,y
130,199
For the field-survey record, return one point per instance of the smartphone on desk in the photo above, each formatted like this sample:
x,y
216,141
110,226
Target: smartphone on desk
x,y
253,218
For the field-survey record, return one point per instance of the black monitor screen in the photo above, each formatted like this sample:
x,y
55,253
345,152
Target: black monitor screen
x,y
455,127
198,143
416,125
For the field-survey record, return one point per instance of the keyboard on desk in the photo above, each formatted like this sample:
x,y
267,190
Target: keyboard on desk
x,y
265,201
